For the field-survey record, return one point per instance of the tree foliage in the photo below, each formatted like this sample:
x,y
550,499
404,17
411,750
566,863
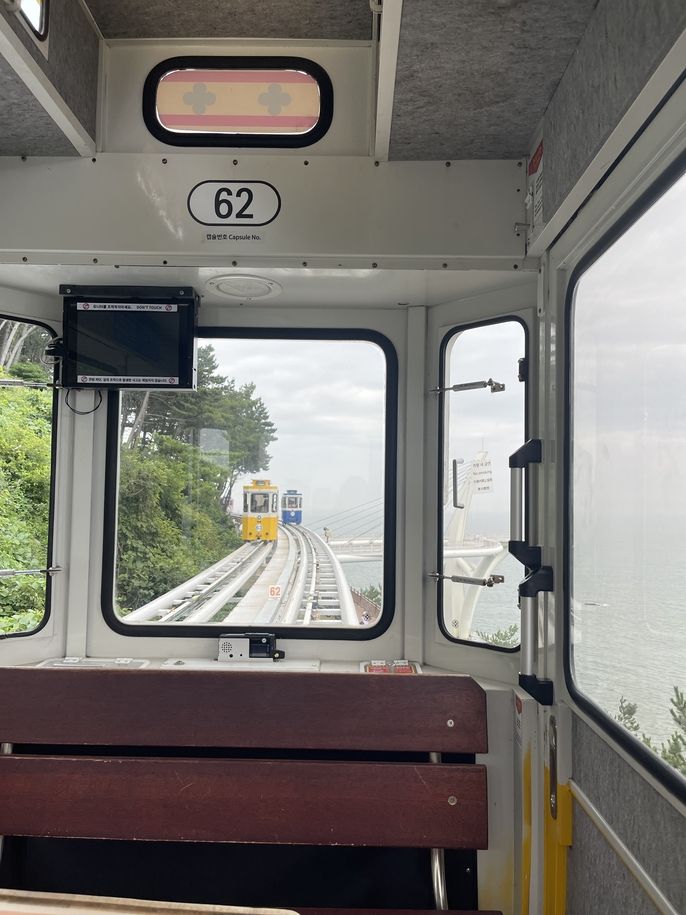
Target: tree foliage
x,y
171,521
25,458
229,423
374,593
674,751
23,344
181,456
503,638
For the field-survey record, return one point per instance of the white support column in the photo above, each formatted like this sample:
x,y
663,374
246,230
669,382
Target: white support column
x,y
385,88
413,556
80,513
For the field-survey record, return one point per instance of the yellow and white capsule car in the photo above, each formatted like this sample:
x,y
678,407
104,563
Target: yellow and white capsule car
x,y
260,511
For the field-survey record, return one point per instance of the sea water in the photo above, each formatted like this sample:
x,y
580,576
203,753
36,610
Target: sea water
x,y
629,623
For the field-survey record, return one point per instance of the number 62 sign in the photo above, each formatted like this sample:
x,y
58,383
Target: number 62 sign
x,y
234,203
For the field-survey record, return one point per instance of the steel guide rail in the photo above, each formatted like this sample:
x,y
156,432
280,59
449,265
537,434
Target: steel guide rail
x,y
219,583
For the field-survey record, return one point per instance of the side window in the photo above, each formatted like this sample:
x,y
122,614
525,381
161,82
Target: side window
x,y
35,14
196,537
483,415
26,465
627,455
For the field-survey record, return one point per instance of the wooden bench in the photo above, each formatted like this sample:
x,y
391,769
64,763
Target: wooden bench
x,y
185,792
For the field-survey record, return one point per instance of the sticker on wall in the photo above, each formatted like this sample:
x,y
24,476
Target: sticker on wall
x,y
234,203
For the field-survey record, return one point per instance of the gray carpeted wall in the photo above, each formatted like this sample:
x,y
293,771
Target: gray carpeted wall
x,y
474,77
623,44
25,127
71,66
651,828
300,19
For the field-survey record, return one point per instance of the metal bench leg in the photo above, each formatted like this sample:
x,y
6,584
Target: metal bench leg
x,y
5,750
438,865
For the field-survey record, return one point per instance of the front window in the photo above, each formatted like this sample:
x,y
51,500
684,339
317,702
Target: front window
x,y
199,538
628,491
26,465
260,502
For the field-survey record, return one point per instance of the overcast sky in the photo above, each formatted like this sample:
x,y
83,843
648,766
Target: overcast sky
x,y
481,419
630,368
326,398
327,401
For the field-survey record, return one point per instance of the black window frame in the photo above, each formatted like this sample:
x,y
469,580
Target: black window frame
x,y
242,140
649,759
42,33
205,631
51,506
459,328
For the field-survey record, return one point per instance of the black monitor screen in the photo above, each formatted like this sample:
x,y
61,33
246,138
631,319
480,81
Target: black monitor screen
x,y
128,344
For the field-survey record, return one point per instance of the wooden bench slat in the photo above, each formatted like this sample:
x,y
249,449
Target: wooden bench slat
x,y
242,709
265,801
23,902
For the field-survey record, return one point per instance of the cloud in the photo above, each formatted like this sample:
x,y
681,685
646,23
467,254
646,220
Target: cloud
x,y
327,400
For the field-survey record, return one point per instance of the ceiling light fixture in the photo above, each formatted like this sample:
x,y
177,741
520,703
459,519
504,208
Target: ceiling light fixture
x,y
245,286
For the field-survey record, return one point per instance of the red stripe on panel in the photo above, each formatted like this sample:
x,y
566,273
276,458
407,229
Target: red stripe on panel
x,y
237,76
302,122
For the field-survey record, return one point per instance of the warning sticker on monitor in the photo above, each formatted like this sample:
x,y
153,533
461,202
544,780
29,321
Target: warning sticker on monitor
x,y
127,379
167,307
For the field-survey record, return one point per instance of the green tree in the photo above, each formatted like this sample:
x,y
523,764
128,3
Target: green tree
x,y
21,342
674,751
373,593
504,638
171,522
181,456
237,417
627,715
25,461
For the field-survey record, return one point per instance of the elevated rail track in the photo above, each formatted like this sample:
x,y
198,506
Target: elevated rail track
x,y
294,581
205,596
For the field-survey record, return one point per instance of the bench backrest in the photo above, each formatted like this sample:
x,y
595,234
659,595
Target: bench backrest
x,y
179,794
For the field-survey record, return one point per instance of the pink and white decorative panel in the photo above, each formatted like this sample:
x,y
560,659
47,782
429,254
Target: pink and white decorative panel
x,y
238,101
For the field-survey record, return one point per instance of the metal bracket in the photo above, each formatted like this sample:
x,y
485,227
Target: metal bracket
x,y
541,579
531,452
529,556
10,573
540,690
466,580
538,580
495,386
